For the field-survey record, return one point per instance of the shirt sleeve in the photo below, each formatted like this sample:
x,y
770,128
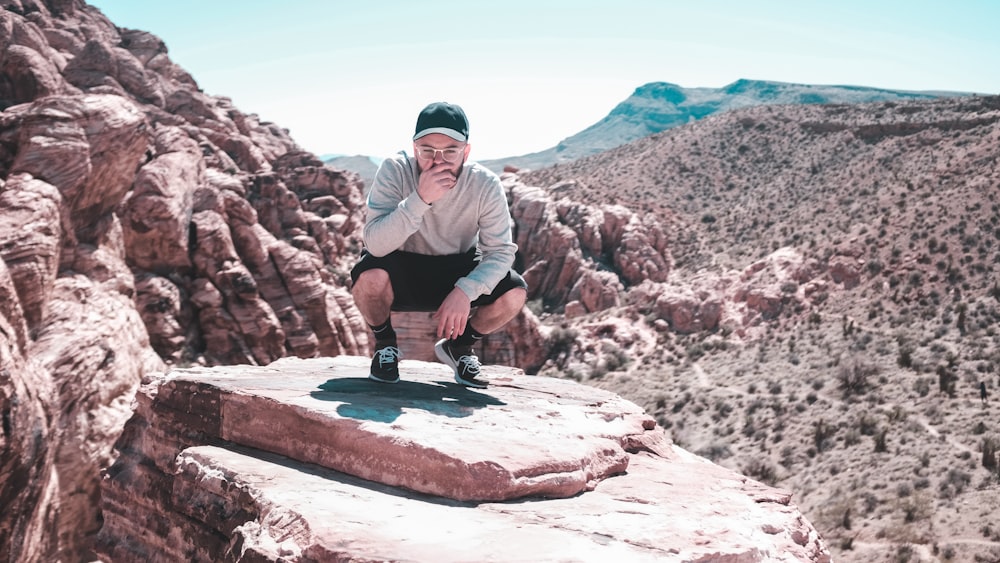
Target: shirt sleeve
x,y
395,210
495,243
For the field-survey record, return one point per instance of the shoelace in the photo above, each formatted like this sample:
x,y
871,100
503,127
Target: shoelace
x,y
471,364
387,355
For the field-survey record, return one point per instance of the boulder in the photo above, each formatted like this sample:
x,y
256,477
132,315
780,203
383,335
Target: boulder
x,y
846,270
571,247
596,291
30,243
687,310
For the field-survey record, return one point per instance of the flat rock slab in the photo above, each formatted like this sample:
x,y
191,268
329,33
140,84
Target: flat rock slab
x,y
308,460
680,510
523,436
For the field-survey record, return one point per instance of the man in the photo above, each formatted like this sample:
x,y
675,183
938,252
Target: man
x,y
437,238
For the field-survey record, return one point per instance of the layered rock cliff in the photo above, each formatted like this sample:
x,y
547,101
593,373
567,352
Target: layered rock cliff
x,y
143,222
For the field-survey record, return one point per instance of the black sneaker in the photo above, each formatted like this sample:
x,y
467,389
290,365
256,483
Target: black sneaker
x,y
385,363
463,361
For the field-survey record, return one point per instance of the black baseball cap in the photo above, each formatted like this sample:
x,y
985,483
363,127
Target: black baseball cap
x,y
442,117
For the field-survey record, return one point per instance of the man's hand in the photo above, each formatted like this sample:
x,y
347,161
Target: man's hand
x,y
453,314
435,182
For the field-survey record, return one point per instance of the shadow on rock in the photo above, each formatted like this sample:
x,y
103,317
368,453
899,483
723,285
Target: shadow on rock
x,y
385,402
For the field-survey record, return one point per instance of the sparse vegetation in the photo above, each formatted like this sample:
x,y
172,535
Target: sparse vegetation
x,y
859,257
854,376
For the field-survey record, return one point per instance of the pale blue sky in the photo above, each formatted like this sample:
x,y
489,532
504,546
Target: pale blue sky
x,y
350,77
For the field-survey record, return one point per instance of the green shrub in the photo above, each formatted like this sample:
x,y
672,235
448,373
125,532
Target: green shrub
x,y
989,453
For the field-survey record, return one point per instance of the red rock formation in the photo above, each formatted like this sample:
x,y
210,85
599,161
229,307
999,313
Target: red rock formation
x,y
129,196
569,249
28,480
129,204
234,463
74,157
686,310
846,270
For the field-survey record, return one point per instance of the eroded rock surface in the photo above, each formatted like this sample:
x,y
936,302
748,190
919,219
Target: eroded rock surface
x,y
307,460
142,221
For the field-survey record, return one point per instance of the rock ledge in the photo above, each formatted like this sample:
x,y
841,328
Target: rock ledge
x,y
307,460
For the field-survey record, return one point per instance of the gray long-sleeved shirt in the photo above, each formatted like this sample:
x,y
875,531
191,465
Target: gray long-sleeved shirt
x,y
474,212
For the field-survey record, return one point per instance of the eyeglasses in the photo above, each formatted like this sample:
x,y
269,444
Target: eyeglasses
x,y
450,154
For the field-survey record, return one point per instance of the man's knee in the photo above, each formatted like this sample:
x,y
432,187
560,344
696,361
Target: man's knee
x,y
516,298
511,301
372,282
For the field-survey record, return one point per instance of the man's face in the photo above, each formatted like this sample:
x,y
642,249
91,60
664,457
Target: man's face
x,y
438,150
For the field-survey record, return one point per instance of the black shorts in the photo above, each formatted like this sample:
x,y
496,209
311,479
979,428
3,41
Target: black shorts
x,y
421,282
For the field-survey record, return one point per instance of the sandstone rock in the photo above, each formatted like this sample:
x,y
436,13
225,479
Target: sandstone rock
x,y
90,335
72,315
157,213
593,465
88,147
30,239
31,76
571,248
332,204
845,270
103,260
597,291
734,300
637,257
100,64
151,52
587,222
574,309
766,301
166,312
31,67
520,343
415,334
688,311
28,482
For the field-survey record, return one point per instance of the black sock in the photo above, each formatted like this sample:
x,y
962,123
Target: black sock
x,y
384,332
469,338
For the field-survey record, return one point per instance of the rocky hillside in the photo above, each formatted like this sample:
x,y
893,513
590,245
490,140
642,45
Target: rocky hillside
x,y
144,225
830,313
659,106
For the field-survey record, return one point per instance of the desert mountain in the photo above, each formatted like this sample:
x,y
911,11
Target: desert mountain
x,y
830,313
658,106
363,166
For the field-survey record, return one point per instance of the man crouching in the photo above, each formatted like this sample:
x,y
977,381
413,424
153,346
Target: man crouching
x,y
437,238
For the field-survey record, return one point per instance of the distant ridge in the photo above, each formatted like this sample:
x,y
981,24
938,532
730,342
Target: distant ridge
x,y
658,106
364,166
